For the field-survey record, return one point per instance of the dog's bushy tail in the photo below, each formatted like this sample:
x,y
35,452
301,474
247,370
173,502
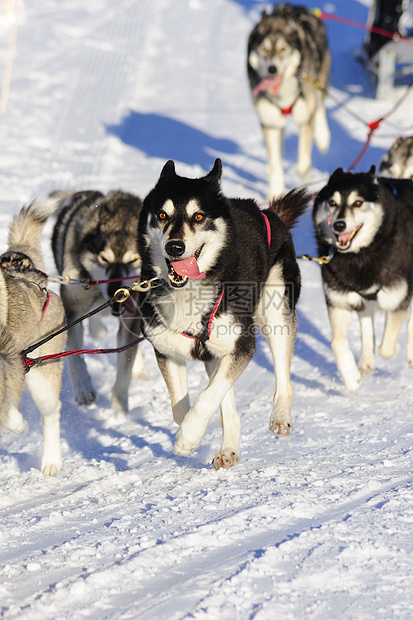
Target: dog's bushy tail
x,y
26,229
291,206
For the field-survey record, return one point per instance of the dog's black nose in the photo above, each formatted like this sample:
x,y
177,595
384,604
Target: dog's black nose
x,y
339,226
175,248
272,69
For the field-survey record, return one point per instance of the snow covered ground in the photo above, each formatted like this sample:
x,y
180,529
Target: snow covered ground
x,y
315,526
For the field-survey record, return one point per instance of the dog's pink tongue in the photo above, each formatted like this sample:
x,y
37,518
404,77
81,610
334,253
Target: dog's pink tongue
x,y
344,239
188,267
270,85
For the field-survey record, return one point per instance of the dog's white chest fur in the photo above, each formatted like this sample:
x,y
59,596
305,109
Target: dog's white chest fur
x,y
389,298
183,314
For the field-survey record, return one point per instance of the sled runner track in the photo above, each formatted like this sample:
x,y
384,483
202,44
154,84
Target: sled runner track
x,y
110,69
315,526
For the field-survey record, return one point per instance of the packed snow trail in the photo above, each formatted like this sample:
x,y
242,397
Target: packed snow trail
x,y
317,525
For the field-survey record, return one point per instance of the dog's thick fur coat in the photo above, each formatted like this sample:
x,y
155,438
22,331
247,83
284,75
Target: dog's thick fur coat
x,y
28,313
94,238
398,161
288,69
226,269
367,224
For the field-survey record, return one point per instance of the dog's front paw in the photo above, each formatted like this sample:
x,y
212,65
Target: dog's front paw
x,y
281,423
184,445
15,422
390,354
120,402
85,398
225,459
366,367
51,469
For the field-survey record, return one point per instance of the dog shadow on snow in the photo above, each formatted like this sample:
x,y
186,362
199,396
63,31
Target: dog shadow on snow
x,y
93,438
166,138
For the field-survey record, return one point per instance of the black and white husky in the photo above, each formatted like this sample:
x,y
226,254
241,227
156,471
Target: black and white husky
x,y
94,238
226,269
365,224
288,70
398,161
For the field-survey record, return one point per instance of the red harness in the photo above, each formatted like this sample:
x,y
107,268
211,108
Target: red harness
x,y
207,324
266,86
46,303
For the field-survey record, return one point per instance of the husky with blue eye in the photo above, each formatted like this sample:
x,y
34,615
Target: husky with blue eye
x,y
365,224
225,269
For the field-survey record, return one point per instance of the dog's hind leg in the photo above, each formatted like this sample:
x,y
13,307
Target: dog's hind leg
x,y
175,377
139,369
273,124
389,347
366,362
274,139
45,384
76,304
231,427
125,360
409,347
340,320
305,145
97,329
15,422
83,390
322,135
277,322
279,331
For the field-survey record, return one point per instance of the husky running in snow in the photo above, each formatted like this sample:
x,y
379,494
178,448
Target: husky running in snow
x,y
226,269
288,69
28,313
94,238
366,224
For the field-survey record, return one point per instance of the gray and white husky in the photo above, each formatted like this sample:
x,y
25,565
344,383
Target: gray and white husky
x,y
94,238
366,224
28,313
226,269
288,69
398,161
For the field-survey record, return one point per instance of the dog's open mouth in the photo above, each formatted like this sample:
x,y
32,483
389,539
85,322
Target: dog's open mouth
x,y
180,271
344,240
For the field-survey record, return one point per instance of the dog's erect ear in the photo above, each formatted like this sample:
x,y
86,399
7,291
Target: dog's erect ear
x,y
215,175
168,171
337,172
372,171
264,14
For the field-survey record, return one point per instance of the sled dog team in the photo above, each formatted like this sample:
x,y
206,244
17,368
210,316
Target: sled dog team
x,y
237,261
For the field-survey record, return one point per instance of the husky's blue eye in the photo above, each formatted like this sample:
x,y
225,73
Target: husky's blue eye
x,y
162,215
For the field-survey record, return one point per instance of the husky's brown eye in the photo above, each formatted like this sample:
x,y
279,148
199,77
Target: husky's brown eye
x,y
332,203
198,217
357,203
162,215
